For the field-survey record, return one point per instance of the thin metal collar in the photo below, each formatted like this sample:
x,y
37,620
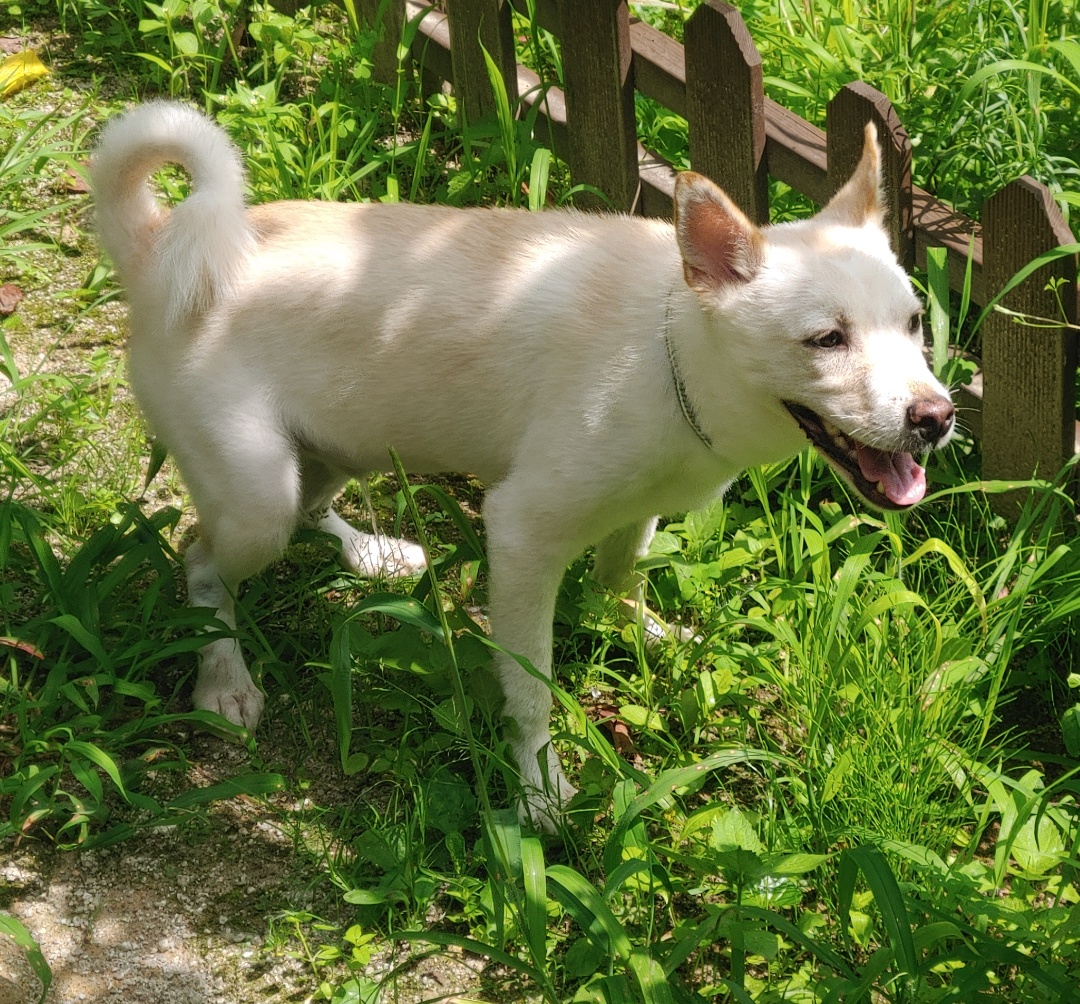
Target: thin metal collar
x,y
685,405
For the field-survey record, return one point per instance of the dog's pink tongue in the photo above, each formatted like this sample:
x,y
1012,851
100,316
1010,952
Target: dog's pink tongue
x,y
903,480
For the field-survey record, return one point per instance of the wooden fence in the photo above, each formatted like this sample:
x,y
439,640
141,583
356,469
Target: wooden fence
x,y
1021,403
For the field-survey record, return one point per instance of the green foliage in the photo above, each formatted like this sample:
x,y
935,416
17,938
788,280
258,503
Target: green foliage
x,y
826,796
79,687
33,146
21,936
987,92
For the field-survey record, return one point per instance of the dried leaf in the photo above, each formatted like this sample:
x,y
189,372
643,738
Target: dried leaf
x,y
22,646
608,716
74,183
10,297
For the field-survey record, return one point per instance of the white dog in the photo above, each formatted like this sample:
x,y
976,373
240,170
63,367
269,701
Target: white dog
x,y
592,369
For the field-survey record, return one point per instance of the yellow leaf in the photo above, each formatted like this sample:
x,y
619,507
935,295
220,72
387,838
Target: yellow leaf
x,y
20,70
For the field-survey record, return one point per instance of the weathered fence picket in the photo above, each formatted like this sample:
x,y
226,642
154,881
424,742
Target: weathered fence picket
x,y
725,106
476,25
601,128
845,118
738,137
1029,373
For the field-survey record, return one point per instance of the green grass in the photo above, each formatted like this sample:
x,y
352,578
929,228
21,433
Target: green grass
x,y
858,784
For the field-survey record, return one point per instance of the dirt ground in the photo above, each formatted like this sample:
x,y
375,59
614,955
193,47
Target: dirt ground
x,y
192,915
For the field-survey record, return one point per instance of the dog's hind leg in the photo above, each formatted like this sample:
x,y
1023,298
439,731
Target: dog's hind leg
x,y
247,496
614,568
617,554
369,554
223,684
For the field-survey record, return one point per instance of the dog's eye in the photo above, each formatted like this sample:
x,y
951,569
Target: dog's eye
x,y
830,340
915,324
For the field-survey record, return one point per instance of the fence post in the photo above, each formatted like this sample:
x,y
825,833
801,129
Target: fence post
x,y
845,118
476,25
601,132
386,18
725,106
1029,373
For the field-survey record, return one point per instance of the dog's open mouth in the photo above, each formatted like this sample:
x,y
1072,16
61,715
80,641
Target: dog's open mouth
x,y
886,480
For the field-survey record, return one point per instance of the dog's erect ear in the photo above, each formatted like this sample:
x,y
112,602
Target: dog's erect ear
x,y
859,202
720,246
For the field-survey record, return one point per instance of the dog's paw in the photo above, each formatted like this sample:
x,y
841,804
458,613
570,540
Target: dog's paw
x,y
544,799
225,686
382,557
545,810
545,792
655,628
242,706
370,554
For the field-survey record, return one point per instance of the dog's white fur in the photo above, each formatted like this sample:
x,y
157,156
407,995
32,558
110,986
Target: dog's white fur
x,y
280,349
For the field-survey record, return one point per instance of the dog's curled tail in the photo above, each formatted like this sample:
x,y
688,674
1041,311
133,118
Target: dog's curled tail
x,y
186,258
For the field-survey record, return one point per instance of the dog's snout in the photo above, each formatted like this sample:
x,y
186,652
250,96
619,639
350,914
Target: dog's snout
x,y
931,418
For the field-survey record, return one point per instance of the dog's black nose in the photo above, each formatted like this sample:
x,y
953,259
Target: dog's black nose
x,y
931,418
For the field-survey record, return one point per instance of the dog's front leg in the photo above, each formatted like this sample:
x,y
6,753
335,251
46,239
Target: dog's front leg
x,y
528,552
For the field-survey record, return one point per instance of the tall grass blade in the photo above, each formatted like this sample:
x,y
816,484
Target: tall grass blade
x,y
494,833
14,929
669,782
405,609
848,578
965,292
934,545
1064,251
505,116
581,900
341,697
650,977
1003,66
159,453
937,272
71,624
737,992
799,937
539,170
246,784
350,11
532,869
476,947
890,902
452,508
98,756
